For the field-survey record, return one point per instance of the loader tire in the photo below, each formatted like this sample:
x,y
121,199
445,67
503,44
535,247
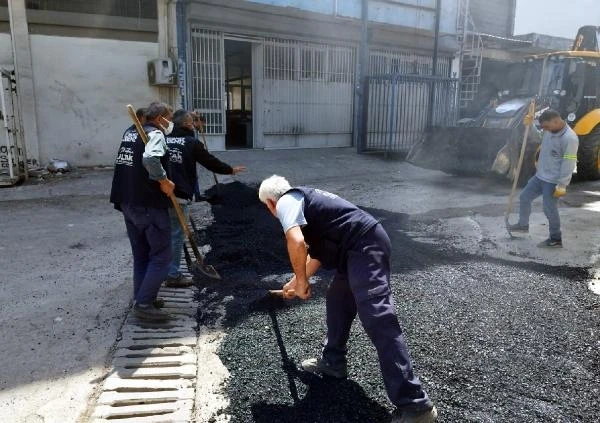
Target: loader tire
x,y
588,156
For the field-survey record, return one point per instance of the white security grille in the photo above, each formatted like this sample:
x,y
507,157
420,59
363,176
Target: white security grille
x,y
383,62
308,87
207,78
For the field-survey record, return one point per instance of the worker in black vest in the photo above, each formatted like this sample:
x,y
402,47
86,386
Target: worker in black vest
x,y
323,229
140,190
185,150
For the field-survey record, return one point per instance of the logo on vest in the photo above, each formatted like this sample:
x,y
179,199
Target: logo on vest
x,y
124,156
176,156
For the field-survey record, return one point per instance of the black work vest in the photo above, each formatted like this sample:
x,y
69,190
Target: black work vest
x,y
332,227
182,166
131,183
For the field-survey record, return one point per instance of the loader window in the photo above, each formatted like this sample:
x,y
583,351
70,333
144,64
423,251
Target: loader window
x,y
574,85
553,78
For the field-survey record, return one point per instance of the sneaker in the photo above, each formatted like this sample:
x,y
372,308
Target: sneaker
x,y
179,281
551,243
414,416
519,228
158,302
322,367
149,312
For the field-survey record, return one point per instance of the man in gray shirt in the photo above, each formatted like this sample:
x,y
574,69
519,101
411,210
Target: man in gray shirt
x,y
558,157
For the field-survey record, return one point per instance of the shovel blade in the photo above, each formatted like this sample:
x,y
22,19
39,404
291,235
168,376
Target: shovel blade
x,y
207,270
507,224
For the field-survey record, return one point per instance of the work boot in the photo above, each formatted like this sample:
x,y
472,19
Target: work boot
x,y
519,228
178,281
149,312
551,243
322,367
414,416
158,302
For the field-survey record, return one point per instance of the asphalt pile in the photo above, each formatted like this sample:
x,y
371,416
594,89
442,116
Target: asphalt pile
x,y
492,341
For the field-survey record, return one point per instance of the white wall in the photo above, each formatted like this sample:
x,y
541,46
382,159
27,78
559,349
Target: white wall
x,y
82,86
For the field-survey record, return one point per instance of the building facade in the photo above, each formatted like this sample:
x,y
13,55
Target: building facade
x,y
265,73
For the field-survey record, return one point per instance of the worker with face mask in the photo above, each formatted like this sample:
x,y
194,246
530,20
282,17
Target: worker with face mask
x,y
140,190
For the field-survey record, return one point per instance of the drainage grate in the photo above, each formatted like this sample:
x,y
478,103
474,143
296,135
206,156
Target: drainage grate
x,y
153,375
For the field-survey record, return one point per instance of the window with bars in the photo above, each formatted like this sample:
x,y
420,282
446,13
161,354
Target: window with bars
x,y
401,62
208,90
295,60
313,62
144,9
280,61
308,87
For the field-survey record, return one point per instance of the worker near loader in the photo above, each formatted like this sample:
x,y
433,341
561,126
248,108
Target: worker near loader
x,y
140,190
185,150
323,229
557,160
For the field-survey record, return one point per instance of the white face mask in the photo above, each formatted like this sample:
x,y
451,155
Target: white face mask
x,y
169,127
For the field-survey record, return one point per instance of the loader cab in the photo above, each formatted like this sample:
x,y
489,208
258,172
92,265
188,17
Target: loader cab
x,y
571,86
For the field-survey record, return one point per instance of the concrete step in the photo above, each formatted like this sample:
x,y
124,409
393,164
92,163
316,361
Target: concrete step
x,y
153,352
116,383
137,398
187,371
160,412
151,343
163,361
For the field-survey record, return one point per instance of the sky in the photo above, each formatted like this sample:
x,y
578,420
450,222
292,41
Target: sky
x,y
560,18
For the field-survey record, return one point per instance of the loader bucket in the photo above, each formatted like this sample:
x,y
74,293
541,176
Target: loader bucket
x,y
461,150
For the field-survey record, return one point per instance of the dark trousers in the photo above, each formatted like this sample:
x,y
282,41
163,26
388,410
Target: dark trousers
x,y
149,233
364,289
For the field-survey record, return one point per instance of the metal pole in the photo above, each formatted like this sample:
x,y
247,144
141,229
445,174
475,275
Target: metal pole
x,y
363,66
434,64
181,53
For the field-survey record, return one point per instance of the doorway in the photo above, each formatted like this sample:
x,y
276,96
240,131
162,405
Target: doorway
x,y
238,88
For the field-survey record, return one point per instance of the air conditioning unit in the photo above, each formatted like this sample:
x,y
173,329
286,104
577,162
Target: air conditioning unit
x,y
162,71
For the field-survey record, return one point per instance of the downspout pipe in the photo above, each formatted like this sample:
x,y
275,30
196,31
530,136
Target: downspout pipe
x,y
363,67
434,64
181,20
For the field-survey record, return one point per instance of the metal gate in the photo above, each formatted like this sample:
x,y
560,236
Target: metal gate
x,y
308,87
207,76
398,110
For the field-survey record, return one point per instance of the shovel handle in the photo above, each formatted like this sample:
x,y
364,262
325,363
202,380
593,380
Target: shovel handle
x,y
176,205
530,111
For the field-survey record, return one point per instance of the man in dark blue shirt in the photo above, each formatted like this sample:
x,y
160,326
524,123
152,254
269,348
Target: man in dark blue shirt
x,y
322,229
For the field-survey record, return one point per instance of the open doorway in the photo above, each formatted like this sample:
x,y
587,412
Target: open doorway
x,y
238,86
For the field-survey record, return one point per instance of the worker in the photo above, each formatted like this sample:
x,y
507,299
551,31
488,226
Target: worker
x,y
140,190
185,150
322,229
558,157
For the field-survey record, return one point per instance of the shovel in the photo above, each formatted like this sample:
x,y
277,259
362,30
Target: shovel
x,y
205,269
511,197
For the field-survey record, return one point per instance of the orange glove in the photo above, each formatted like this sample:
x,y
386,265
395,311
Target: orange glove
x,y
559,191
